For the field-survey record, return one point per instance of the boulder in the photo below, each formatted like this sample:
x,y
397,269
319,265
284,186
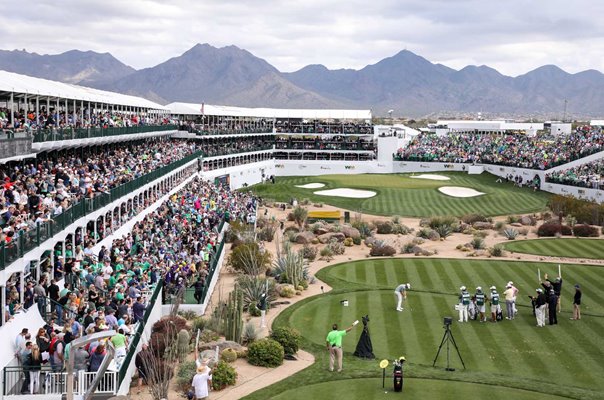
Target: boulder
x,y
351,232
326,238
434,236
416,249
482,225
526,220
305,237
321,230
516,224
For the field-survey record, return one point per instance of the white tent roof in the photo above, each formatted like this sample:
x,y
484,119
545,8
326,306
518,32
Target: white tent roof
x,y
208,109
23,84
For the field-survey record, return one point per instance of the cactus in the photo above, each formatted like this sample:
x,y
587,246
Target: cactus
x,y
184,338
232,320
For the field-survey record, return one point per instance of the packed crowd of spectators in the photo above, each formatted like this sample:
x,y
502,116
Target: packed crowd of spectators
x,y
319,126
27,121
590,175
109,290
226,126
324,143
235,145
35,192
540,152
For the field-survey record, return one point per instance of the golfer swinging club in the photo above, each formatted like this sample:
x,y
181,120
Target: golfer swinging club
x,y
401,293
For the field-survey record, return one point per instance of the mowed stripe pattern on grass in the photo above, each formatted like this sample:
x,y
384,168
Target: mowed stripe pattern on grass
x,y
397,194
559,247
569,353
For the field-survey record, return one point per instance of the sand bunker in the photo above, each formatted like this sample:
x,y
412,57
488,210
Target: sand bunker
x,y
311,186
432,177
345,192
456,191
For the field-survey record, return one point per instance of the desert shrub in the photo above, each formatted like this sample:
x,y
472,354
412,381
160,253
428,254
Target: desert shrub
x,y
586,231
250,332
305,202
253,287
290,216
249,259
309,252
402,229
228,355
586,212
253,310
287,337
363,227
477,243
300,214
523,231
223,375
418,240
158,342
336,247
267,233
208,335
184,375
381,249
481,234
545,216
499,225
512,219
443,231
326,253
435,222
198,324
265,353
357,240
187,314
496,251
510,233
396,219
471,218
315,227
170,326
384,227
424,233
319,205
348,242
551,229
335,227
408,248
290,236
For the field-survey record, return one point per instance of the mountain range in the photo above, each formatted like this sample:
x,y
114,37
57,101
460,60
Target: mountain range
x,y
406,83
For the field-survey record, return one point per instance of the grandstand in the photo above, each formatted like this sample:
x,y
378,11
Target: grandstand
x,y
87,174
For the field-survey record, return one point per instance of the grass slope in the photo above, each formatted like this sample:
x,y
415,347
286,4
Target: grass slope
x,y
558,247
398,194
563,360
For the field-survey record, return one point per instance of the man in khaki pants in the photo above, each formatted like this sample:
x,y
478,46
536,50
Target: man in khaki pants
x,y
334,345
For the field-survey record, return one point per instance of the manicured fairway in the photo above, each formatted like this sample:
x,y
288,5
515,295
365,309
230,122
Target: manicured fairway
x,y
397,194
563,360
365,389
559,247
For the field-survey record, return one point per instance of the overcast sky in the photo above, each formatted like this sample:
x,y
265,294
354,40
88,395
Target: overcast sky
x,y
513,36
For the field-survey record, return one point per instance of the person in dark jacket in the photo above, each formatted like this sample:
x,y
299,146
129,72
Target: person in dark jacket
x,y
540,304
552,303
198,285
34,365
577,303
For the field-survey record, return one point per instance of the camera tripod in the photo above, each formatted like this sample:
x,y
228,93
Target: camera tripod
x,y
448,337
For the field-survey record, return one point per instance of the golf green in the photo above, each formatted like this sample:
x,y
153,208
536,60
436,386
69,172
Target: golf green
x,y
398,194
562,360
371,388
559,247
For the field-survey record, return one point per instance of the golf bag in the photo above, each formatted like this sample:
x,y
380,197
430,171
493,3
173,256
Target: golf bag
x,y
473,310
499,315
398,375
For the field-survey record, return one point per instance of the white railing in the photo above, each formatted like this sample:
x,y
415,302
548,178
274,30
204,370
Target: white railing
x,y
54,382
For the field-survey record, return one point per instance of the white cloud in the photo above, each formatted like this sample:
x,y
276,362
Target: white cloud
x,y
514,36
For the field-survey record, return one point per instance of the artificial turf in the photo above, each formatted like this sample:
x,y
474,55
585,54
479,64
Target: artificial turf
x,y
398,194
559,247
563,360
